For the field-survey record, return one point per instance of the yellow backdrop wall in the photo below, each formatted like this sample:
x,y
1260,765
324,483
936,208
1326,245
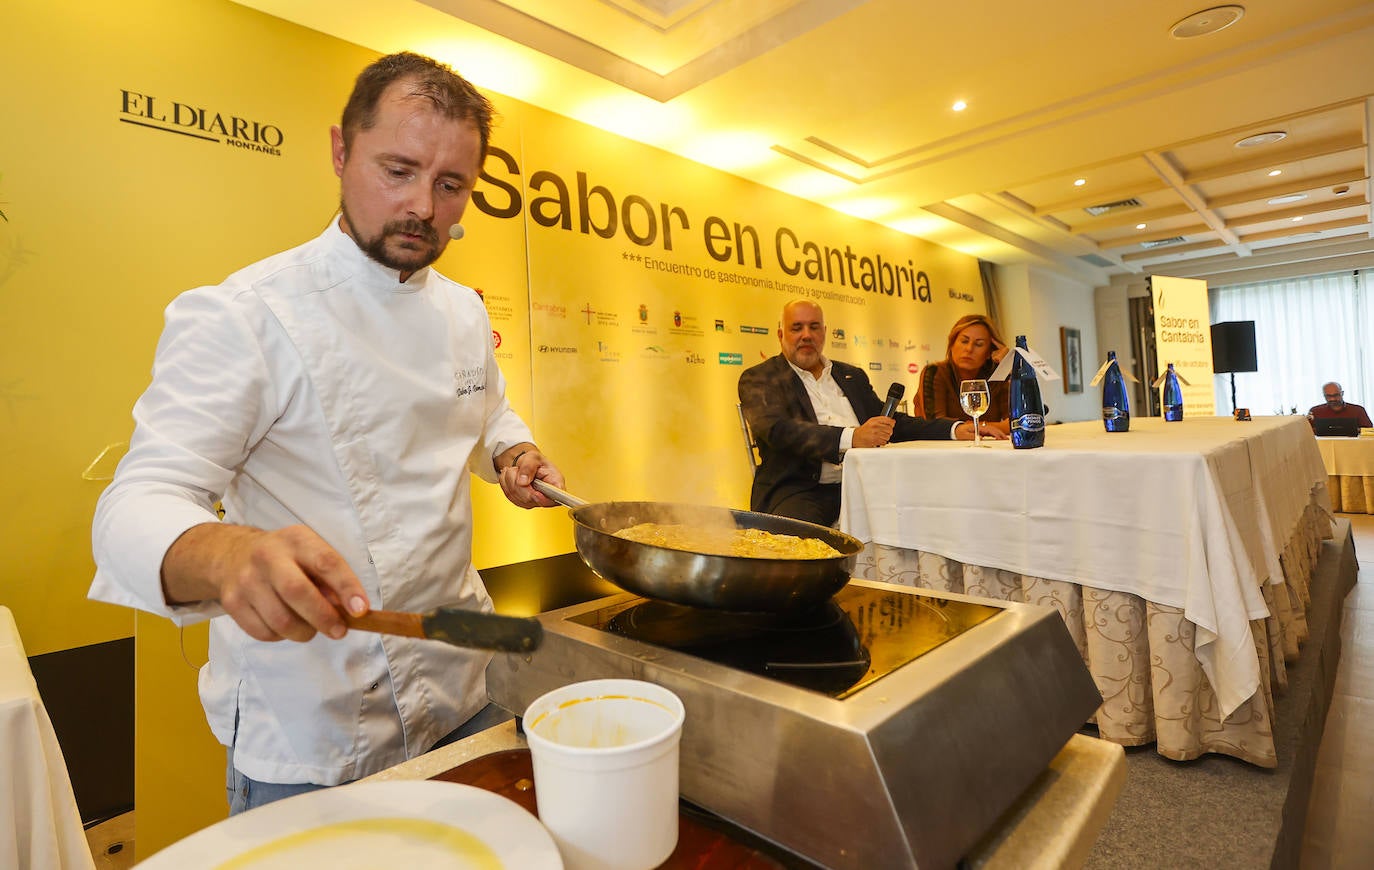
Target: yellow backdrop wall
x,y
154,145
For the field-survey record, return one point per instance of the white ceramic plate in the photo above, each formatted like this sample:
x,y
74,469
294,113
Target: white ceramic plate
x,y
379,824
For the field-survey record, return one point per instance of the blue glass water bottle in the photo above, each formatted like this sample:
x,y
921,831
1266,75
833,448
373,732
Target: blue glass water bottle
x,y
1027,412
1173,396
1116,407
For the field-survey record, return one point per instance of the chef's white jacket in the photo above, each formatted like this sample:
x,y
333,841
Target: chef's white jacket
x,y
313,387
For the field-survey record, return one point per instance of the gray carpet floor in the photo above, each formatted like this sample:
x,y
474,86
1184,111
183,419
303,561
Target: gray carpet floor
x,y
1218,812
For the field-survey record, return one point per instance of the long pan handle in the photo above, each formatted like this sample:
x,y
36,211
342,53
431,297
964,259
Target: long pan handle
x,y
456,625
387,622
564,498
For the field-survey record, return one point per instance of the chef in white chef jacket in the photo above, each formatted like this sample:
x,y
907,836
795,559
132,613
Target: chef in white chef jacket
x,y
334,397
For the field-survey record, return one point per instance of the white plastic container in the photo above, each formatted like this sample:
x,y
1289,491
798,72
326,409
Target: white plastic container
x,y
605,757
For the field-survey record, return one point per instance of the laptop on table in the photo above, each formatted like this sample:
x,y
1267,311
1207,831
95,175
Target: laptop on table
x,y
1336,427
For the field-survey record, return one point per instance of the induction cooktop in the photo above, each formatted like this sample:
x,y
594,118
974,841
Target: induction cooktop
x,y
854,639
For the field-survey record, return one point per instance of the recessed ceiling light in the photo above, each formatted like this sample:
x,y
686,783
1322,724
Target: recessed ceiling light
x,y
1140,226
1079,182
1207,21
959,105
1274,172
1287,198
1298,218
1262,139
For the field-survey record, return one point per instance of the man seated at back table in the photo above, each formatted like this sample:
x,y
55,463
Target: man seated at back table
x,y
805,411
1336,408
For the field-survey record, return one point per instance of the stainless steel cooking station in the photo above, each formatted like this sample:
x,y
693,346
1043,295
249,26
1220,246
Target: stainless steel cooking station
x,y
893,734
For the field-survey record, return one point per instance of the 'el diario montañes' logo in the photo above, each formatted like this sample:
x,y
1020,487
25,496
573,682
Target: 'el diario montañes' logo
x,y
198,122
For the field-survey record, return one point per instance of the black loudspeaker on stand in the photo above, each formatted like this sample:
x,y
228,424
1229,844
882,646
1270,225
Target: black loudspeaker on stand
x,y
1233,350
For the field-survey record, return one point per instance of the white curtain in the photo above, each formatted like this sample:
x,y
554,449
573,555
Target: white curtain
x,y
1307,331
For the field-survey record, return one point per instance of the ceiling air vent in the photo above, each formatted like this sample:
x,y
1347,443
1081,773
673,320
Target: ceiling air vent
x,y
1100,262
1109,207
1158,243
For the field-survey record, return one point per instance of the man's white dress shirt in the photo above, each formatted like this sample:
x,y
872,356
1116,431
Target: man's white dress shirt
x,y
832,409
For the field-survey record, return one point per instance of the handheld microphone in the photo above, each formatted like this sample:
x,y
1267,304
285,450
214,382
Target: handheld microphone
x,y
894,395
455,232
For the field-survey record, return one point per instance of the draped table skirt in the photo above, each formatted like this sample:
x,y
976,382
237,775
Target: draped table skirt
x,y
1142,654
1351,493
40,823
1349,465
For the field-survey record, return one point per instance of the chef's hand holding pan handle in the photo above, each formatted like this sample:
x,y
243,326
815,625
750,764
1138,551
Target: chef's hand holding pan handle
x,y
519,466
286,584
563,497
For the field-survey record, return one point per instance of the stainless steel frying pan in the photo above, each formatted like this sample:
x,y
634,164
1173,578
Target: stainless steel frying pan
x,y
702,579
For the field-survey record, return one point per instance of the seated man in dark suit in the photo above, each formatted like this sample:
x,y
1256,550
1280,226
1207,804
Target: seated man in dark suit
x,y
1336,408
805,411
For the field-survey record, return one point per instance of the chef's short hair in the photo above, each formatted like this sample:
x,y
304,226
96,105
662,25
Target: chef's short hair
x,y
453,96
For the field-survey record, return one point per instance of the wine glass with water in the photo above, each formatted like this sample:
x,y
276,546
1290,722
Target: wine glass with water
x,y
973,398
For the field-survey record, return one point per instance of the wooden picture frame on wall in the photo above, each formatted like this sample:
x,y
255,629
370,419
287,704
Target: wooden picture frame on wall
x,y
1071,345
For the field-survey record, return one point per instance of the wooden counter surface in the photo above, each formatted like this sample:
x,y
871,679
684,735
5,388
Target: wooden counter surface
x,y
1052,825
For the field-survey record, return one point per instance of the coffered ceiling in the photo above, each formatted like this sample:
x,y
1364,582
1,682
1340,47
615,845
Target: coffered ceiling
x,y
1101,140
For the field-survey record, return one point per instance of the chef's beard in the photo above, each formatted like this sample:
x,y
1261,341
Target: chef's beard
x,y
405,260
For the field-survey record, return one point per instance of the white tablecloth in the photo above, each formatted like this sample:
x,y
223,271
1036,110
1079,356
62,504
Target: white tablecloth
x,y
40,826
1192,514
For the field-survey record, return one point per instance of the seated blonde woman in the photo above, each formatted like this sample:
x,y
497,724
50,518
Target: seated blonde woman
x,y
973,351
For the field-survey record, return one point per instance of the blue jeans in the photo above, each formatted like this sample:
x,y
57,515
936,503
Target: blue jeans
x,y
246,793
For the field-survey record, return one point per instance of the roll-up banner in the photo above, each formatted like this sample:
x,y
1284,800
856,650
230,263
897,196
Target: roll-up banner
x,y
1183,336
